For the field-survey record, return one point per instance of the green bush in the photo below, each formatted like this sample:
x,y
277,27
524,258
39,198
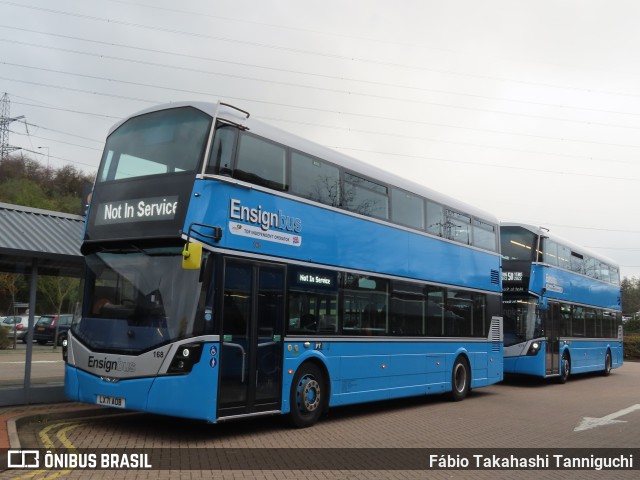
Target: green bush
x,y
632,347
632,327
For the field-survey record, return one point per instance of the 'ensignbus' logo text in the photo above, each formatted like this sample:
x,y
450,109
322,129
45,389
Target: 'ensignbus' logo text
x,y
111,365
264,218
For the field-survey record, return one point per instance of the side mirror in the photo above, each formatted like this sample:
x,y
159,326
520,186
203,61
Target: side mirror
x,y
192,256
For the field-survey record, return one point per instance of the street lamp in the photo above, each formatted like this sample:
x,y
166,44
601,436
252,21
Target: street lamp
x,y
47,155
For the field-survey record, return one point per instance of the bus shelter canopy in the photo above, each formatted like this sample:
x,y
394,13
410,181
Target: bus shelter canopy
x,y
49,239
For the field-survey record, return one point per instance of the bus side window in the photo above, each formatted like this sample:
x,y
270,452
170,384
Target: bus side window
x,y
315,179
578,321
365,301
407,209
577,262
460,311
484,235
261,162
480,322
312,312
221,156
435,219
550,252
407,315
458,227
365,197
435,312
564,254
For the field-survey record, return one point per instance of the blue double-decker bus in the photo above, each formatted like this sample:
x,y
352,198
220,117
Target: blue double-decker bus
x,y
236,270
562,306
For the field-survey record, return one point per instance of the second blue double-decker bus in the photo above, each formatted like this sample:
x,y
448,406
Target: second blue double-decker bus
x,y
562,307
234,270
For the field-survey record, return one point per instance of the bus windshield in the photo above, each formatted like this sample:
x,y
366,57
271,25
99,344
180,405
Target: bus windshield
x,y
521,320
138,300
167,141
517,243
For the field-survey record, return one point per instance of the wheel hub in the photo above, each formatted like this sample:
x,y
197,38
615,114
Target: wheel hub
x,y
309,393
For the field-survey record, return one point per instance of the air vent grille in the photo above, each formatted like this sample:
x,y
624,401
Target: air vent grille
x,y
495,334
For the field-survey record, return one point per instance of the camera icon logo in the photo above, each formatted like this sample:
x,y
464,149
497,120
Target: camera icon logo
x,y
23,459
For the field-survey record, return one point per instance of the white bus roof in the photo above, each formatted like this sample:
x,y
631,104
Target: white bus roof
x,y
278,135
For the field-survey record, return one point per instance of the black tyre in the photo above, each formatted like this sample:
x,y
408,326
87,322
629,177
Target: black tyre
x,y
607,364
61,339
565,369
42,342
460,379
308,396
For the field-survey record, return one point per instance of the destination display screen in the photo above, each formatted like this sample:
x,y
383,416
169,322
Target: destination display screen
x,y
137,210
312,278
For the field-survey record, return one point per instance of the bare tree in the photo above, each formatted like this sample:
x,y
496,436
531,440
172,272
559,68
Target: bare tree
x,y
58,290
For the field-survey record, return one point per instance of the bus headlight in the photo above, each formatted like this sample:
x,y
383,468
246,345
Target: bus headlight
x,y
534,348
185,358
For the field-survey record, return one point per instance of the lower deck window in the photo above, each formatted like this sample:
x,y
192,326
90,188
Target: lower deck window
x,y
312,312
360,305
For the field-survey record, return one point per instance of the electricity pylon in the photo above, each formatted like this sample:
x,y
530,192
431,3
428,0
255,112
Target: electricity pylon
x,y
5,120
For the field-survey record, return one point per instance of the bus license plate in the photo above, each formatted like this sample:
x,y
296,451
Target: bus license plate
x,y
110,401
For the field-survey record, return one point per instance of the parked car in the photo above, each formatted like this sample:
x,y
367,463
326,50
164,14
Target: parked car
x,y
45,329
18,324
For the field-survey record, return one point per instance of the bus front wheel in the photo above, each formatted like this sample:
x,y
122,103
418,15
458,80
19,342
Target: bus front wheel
x,y
307,396
460,379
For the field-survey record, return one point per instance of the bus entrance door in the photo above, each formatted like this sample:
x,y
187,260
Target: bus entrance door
x,y
251,347
552,330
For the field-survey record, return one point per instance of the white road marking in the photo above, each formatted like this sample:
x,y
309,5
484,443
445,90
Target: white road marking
x,y
591,422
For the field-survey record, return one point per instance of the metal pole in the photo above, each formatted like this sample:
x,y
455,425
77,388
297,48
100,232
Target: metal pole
x,y
31,327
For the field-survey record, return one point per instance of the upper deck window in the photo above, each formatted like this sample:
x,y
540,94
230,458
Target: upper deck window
x,y
221,156
484,235
457,227
614,275
435,219
577,262
365,197
312,178
246,156
564,254
167,141
261,162
557,254
550,252
407,209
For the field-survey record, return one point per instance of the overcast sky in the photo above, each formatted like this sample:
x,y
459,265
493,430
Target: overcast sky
x,y
527,109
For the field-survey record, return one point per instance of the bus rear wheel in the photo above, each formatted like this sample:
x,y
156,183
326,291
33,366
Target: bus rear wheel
x,y
607,364
460,379
307,396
